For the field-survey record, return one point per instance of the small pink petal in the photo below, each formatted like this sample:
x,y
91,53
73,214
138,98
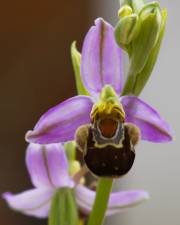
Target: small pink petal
x,y
60,122
101,59
35,202
153,127
48,166
118,201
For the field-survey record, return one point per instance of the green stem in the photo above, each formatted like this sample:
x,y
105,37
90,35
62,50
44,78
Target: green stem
x,y
129,85
102,196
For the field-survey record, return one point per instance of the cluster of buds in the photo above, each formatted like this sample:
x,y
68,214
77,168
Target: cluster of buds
x,y
139,32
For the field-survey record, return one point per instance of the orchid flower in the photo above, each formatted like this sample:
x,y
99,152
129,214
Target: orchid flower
x,y
101,70
48,170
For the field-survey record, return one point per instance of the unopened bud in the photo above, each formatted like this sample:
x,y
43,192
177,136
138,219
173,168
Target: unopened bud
x,y
125,11
149,8
127,29
143,76
150,21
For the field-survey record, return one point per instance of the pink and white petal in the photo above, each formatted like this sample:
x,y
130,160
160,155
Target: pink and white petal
x,y
153,127
101,59
47,165
58,166
118,201
84,198
34,202
60,122
37,165
123,200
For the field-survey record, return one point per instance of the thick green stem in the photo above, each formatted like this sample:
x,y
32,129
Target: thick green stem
x,y
102,196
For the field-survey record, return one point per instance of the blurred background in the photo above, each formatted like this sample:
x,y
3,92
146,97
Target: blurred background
x,y
36,74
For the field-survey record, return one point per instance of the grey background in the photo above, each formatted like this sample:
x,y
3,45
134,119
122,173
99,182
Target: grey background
x,y
157,166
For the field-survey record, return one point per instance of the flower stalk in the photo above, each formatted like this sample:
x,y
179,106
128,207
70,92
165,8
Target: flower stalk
x,y
63,208
101,201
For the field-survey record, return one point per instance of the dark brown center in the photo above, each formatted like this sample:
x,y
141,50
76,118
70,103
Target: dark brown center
x,y
109,161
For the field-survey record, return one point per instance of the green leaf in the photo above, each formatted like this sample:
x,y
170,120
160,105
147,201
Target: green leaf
x,y
76,61
63,208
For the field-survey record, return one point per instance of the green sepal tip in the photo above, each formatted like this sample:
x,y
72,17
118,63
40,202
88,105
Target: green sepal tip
x,y
76,61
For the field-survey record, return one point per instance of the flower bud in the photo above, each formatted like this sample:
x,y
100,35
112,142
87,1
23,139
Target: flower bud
x,y
127,29
143,76
144,48
150,21
125,11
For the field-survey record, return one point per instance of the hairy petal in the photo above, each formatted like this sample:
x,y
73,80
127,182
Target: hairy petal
x,y
101,59
48,166
118,201
153,127
60,122
34,202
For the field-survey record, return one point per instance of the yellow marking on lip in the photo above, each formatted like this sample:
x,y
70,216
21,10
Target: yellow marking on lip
x,y
103,109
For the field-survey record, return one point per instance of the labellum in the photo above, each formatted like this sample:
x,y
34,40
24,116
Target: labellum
x,y
108,142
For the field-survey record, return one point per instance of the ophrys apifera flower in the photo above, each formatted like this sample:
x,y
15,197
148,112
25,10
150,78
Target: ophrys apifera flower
x,y
109,123
49,172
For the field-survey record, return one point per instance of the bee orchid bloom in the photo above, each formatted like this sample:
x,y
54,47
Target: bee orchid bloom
x,y
101,67
48,170
105,125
